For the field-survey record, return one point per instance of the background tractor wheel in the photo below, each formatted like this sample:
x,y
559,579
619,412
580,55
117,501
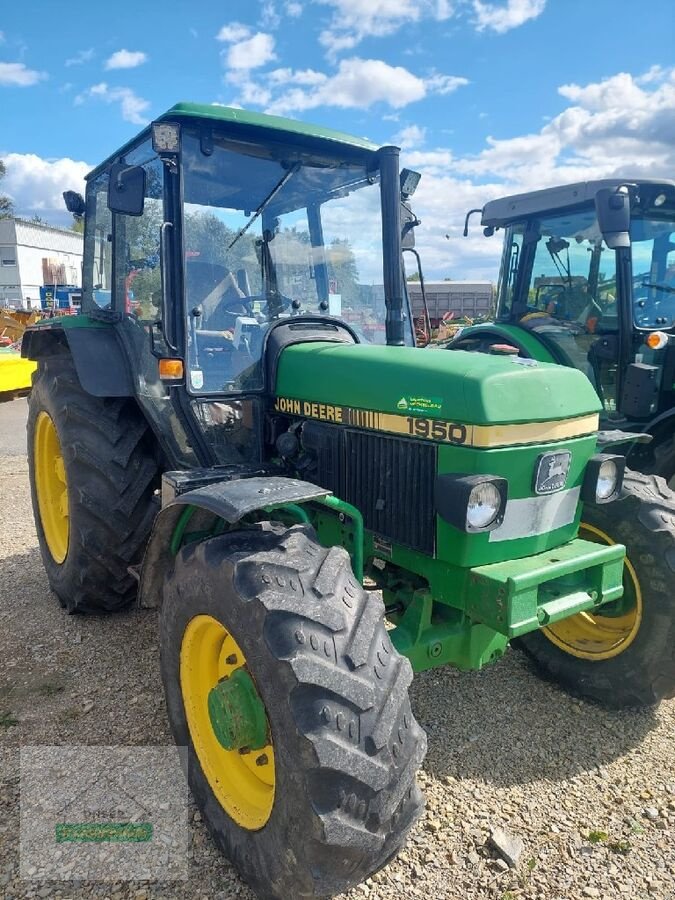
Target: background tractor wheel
x,y
625,656
283,684
664,460
93,477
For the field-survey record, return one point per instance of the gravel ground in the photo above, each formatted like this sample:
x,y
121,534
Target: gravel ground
x,y
590,793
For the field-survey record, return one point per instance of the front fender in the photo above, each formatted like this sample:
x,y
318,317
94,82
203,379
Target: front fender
x,y
227,500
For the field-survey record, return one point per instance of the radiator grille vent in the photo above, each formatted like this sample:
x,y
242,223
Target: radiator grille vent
x,y
389,479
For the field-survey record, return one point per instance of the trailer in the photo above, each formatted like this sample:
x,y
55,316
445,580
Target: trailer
x,y
452,299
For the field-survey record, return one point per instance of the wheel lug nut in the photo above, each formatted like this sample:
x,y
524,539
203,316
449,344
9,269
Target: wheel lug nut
x,y
231,659
262,760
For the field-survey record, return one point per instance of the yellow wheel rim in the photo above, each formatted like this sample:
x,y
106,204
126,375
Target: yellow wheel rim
x,y
51,487
242,782
594,636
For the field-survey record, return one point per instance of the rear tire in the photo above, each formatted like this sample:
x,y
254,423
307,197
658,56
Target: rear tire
x,y
110,477
641,670
344,741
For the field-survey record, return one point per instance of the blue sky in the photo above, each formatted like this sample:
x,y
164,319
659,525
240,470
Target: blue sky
x,y
484,96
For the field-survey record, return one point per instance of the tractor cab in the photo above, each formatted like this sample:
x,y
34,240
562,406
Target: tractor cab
x,y
587,280
244,234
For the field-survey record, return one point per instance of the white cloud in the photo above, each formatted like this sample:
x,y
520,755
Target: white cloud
x,y
502,18
293,9
251,53
19,75
81,57
410,137
36,185
444,10
249,92
126,59
445,84
354,20
132,106
622,126
269,16
357,84
233,32
300,76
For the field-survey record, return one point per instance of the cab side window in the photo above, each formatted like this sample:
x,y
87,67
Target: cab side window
x,y
137,248
97,265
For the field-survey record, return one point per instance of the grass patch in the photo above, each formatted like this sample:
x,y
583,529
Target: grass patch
x,y
7,720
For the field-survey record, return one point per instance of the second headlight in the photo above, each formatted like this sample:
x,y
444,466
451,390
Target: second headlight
x,y
471,502
603,478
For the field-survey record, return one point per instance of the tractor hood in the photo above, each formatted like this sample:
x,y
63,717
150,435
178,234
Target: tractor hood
x,y
468,388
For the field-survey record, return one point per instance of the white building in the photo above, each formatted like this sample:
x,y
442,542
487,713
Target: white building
x,y
33,255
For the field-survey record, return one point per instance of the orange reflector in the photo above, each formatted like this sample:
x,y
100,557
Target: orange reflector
x,y
657,340
171,368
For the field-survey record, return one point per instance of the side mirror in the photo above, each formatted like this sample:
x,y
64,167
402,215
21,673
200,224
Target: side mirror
x,y
409,222
74,203
126,189
612,206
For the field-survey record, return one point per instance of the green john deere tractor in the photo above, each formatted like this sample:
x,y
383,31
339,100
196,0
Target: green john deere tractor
x,y
587,280
239,422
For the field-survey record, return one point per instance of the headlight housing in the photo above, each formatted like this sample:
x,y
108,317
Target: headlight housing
x,y
472,503
603,479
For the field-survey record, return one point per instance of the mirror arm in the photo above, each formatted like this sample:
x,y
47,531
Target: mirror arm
x,y
425,307
470,213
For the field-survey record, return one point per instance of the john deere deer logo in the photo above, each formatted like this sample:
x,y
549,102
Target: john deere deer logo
x,y
551,472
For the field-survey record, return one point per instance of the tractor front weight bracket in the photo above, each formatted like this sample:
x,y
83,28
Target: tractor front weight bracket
x,y
432,634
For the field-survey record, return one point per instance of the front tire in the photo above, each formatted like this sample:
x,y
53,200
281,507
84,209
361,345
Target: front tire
x,y
625,658
333,792
93,477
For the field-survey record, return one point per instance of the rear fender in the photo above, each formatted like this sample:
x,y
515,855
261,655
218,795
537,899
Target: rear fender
x,y
99,358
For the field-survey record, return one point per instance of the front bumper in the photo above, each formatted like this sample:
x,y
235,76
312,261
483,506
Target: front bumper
x,y
521,595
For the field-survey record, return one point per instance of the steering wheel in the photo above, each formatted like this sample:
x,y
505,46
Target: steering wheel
x,y
246,304
229,307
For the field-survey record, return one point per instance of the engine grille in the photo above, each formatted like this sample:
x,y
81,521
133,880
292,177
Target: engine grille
x,y
389,479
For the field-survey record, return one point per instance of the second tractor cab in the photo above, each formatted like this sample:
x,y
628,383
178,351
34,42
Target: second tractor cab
x,y
245,354
588,280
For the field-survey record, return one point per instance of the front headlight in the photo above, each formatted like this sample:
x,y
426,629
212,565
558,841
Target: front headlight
x,y
484,504
603,479
471,502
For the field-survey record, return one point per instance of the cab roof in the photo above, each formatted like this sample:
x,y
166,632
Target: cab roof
x,y
246,125
500,212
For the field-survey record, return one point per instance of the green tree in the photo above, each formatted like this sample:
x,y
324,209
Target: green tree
x,y
6,205
342,267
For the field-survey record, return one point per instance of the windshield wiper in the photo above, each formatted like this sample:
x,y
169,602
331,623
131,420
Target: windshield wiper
x,y
660,287
272,194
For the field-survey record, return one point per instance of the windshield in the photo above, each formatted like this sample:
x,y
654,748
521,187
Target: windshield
x,y
268,234
573,275
569,296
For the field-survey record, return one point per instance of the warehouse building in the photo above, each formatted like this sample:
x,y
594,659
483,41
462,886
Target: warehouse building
x,y
33,255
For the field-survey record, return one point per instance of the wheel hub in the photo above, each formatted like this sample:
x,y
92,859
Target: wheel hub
x,y
237,713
